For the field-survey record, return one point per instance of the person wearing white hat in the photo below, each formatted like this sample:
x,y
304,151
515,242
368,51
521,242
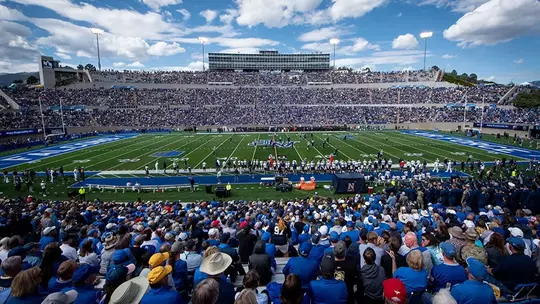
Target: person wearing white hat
x,y
67,297
323,230
215,265
213,237
516,232
130,292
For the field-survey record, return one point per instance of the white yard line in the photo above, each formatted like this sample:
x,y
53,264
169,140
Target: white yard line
x,y
109,158
397,157
226,139
255,150
335,148
405,151
181,156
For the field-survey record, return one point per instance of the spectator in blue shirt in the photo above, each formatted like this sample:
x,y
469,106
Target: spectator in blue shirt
x,y
63,278
317,251
449,271
25,286
516,268
327,289
49,236
83,283
334,238
270,249
302,266
414,277
180,272
160,291
351,232
213,237
474,290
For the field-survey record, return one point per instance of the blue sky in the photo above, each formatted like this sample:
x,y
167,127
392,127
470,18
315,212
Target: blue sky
x,y
496,39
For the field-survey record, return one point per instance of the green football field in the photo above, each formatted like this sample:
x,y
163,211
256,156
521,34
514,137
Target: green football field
x,y
134,154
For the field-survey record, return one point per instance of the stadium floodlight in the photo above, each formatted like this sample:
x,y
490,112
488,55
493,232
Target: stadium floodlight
x,y
334,42
425,36
203,40
97,32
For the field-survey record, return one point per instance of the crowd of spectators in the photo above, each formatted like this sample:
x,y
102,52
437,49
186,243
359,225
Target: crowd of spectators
x,y
262,78
251,95
453,241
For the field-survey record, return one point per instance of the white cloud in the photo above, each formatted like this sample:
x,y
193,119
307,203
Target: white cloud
x,y
324,33
62,56
342,9
119,64
244,42
9,14
358,45
84,54
459,6
14,44
192,66
196,56
448,56
185,13
21,42
157,4
405,42
519,61
272,13
229,16
136,64
121,22
17,67
209,15
408,68
490,78
401,58
399,14
163,49
494,22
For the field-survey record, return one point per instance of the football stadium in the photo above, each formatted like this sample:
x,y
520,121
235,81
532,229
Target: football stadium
x,y
319,169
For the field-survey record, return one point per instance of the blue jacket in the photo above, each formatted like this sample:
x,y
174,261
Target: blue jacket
x,y
180,274
271,251
473,292
55,286
353,234
86,294
161,295
304,268
33,259
46,240
304,237
24,300
444,273
325,291
317,252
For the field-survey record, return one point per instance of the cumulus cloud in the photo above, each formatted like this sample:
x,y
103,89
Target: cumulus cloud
x,y
342,9
324,33
401,58
13,42
241,51
185,14
272,13
192,66
229,16
495,22
136,64
405,42
519,61
346,47
209,15
62,55
119,64
448,56
163,49
459,6
157,4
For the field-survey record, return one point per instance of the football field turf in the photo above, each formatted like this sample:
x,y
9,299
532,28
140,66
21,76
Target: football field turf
x,y
134,153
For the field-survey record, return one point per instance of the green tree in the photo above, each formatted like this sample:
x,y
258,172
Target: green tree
x,y
435,68
80,67
32,80
18,81
464,76
90,67
453,73
473,77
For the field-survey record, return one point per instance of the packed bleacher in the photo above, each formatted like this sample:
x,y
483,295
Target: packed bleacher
x,y
250,96
262,78
455,241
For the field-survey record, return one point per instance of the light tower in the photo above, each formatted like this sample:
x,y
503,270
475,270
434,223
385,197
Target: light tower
x,y
425,36
334,42
203,40
97,32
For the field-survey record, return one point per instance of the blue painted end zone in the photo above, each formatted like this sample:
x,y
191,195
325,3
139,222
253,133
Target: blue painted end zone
x,y
34,155
479,144
208,180
168,154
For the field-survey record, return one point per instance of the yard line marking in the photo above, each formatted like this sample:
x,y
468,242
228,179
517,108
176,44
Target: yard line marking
x,y
397,157
400,143
183,155
226,139
255,150
294,146
335,148
108,159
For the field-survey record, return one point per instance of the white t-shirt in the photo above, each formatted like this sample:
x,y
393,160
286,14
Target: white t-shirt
x,y
69,252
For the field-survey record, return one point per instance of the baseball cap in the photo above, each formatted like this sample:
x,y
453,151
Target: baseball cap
x,y
61,297
157,274
117,273
83,272
323,230
305,248
316,237
395,291
515,232
327,264
517,243
266,236
224,237
448,249
334,237
158,258
121,256
339,249
476,268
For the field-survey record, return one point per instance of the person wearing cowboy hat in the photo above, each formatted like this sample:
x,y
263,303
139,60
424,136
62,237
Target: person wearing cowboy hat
x,y
471,249
160,291
130,292
215,265
106,255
